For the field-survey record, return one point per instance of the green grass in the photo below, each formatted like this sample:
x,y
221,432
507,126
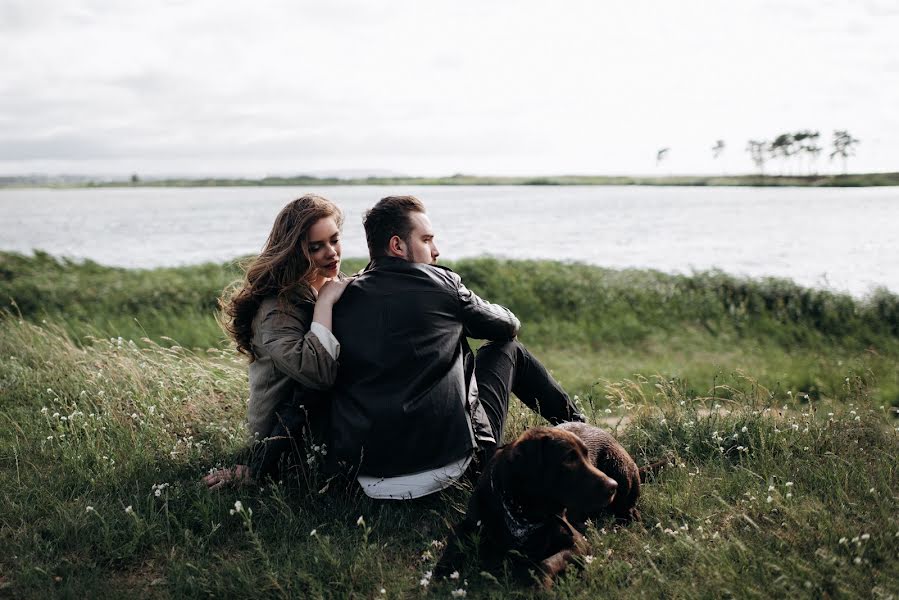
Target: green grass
x,y
748,385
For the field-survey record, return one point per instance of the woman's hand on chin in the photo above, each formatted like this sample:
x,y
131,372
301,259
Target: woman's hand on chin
x,y
235,476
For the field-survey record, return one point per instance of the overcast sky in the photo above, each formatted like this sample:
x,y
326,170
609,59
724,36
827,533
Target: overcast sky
x,y
437,87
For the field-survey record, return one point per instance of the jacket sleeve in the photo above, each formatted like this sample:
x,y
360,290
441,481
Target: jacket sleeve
x,y
483,320
295,350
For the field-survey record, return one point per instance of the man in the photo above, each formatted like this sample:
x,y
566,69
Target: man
x,y
407,411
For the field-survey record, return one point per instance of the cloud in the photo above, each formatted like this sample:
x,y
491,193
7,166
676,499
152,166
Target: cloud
x,y
525,84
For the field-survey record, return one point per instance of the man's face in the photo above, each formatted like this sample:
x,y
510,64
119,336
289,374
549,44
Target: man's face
x,y
420,247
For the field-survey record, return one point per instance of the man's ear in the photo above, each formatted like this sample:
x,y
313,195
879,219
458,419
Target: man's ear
x,y
396,247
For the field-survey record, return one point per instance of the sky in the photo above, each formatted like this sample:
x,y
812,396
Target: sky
x,y
489,87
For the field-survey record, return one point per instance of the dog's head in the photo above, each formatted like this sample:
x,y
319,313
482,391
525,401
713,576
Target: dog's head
x,y
548,469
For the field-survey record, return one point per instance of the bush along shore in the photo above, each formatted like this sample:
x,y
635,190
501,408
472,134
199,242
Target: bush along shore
x,y
775,402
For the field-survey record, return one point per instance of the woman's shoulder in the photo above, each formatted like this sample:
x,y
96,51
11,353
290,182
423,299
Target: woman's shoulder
x,y
291,305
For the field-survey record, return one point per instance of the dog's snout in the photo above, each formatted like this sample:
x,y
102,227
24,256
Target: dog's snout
x,y
612,484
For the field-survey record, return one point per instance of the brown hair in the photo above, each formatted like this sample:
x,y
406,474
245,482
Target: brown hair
x,y
284,267
387,218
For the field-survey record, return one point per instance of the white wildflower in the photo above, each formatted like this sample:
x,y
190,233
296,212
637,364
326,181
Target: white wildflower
x,y
460,593
789,495
769,499
588,558
129,510
454,575
89,509
866,536
313,533
360,521
789,484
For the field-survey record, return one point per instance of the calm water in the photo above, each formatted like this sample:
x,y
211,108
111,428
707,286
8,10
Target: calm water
x,y
845,239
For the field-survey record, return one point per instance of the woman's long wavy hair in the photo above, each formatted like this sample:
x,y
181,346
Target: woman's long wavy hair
x,y
283,268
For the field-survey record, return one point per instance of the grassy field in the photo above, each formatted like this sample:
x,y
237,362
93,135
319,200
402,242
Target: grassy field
x,y
776,401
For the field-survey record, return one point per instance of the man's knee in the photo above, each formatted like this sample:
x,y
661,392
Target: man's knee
x,y
508,347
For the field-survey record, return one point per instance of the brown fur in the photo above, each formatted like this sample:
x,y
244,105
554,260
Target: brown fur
x,y
607,455
522,501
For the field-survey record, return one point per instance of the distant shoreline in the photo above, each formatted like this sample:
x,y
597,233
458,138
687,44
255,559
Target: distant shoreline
x,y
848,180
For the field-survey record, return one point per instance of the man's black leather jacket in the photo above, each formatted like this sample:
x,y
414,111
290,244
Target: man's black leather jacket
x,y
405,399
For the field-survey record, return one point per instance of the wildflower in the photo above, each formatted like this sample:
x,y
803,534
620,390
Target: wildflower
x,y
49,438
866,536
588,558
454,575
789,495
769,499
857,560
425,579
44,411
460,593
789,484
843,540
383,591
426,556
238,507
89,509
770,488
745,429
871,491
313,533
608,411
360,521
56,415
129,510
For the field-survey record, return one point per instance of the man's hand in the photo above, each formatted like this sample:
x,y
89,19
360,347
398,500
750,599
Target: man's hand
x,y
237,475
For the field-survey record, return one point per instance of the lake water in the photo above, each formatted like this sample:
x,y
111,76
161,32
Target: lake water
x,y
845,239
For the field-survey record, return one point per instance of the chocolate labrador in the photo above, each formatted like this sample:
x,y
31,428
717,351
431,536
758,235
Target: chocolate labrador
x,y
534,489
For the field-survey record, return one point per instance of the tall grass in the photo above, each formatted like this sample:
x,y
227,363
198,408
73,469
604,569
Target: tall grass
x,y
584,321
103,444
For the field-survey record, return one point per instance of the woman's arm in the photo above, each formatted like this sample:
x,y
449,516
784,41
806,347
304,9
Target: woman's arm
x,y
295,349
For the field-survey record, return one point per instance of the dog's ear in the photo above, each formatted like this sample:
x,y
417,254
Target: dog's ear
x,y
525,461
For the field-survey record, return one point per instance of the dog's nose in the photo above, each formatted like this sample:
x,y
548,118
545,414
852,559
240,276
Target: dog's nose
x,y
612,484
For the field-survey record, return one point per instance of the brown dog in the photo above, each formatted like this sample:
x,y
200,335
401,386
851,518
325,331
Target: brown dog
x,y
607,455
522,501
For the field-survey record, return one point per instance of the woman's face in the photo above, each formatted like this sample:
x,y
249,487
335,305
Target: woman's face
x,y
324,249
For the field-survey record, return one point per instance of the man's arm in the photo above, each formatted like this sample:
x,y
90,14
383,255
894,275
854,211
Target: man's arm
x,y
486,321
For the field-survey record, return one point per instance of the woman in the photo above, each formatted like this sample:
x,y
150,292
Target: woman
x,y
280,317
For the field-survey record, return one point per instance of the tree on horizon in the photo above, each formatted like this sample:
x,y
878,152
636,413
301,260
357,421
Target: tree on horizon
x,y
757,149
843,144
661,154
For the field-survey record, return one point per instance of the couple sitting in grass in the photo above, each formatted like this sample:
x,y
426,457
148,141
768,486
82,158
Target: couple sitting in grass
x,y
374,372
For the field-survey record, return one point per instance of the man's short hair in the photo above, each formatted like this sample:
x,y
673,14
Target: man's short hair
x,y
387,218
